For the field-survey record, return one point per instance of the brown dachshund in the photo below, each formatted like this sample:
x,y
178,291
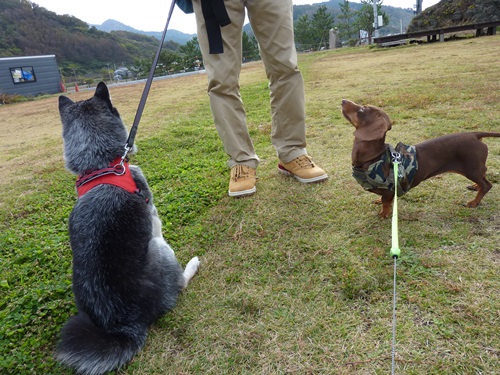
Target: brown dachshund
x,y
372,158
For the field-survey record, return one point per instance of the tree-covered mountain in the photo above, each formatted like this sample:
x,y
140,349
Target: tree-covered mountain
x,y
27,29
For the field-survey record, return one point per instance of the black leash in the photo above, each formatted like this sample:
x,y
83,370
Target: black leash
x,y
145,92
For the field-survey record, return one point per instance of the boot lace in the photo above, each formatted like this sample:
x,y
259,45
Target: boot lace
x,y
304,161
240,171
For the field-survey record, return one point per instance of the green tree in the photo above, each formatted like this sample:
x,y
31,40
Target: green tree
x,y
347,30
313,33
250,47
304,39
190,54
140,68
321,23
169,62
106,74
364,17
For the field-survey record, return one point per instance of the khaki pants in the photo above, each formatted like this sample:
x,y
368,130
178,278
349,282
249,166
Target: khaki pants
x,y
272,24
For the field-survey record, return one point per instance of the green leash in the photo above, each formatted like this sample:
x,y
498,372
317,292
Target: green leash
x,y
395,252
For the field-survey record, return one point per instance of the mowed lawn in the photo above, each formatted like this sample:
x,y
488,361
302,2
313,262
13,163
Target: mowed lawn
x,y
296,279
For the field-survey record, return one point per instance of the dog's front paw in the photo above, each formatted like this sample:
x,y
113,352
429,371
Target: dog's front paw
x,y
472,204
190,270
193,264
385,214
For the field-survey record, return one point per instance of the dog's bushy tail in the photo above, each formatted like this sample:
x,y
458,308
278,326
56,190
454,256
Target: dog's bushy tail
x,y
91,351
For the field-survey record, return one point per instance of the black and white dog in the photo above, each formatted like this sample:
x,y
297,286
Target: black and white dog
x,y
125,276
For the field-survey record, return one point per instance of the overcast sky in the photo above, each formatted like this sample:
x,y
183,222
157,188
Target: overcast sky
x,y
151,15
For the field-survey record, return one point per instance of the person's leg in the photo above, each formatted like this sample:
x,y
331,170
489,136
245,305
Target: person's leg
x,y
272,24
223,71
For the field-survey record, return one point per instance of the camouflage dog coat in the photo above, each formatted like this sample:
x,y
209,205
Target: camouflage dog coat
x,y
380,174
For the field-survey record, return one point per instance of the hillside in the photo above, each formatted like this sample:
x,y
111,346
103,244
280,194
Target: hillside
x,y
28,29
456,12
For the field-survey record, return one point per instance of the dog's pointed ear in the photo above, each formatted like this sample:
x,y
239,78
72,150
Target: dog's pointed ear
x,y
64,101
374,130
102,92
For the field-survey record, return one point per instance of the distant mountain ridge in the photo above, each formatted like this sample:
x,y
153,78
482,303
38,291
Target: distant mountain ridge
x,y
173,35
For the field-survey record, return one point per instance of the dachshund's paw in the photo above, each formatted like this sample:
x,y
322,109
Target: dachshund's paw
x,y
384,214
472,204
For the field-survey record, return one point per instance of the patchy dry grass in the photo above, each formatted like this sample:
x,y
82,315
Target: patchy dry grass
x,y
296,279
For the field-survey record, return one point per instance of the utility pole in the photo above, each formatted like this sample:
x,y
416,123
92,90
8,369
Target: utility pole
x,y
418,7
375,19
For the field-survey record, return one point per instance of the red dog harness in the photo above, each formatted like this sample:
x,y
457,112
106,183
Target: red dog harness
x,y
117,174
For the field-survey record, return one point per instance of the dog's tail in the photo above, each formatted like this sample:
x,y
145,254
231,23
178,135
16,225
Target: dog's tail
x,y
91,351
480,135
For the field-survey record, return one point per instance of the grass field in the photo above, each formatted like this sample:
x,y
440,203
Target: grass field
x,y
296,279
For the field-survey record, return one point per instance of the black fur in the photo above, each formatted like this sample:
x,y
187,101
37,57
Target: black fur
x,y
125,275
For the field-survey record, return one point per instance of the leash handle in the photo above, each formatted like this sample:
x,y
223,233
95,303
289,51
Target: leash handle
x,y
145,92
395,251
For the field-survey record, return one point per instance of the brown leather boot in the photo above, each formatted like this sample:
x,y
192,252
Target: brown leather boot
x,y
243,180
303,169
